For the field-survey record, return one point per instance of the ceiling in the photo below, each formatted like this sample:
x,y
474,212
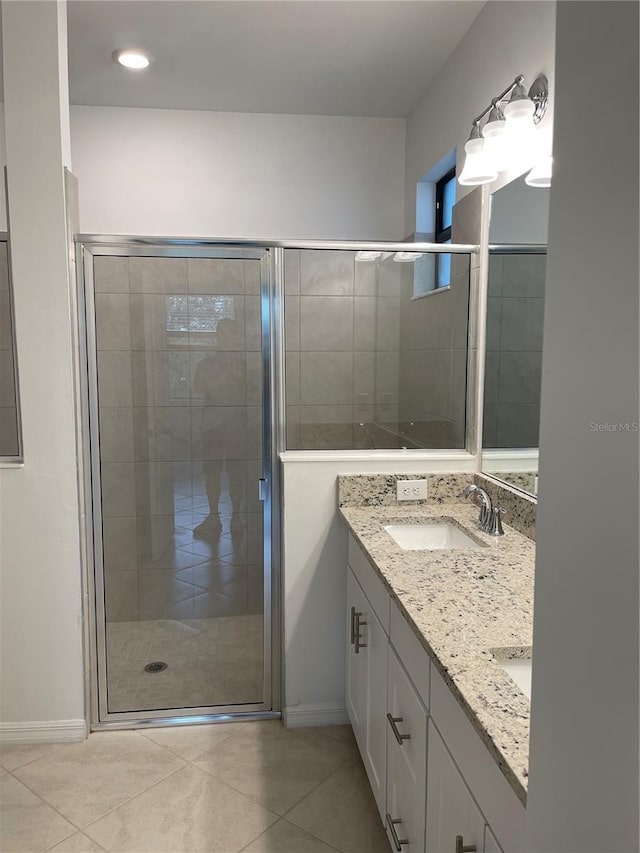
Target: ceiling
x,y
318,57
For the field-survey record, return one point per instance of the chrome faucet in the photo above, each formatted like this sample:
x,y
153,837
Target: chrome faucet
x,y
489,519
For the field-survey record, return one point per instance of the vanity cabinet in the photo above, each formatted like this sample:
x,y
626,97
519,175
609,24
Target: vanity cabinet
x,y
451,810
366,686
406,760
431,775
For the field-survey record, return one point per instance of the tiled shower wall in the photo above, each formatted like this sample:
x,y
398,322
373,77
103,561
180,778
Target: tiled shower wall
x,y
513,369
155,419
433,362
342,324
367,366
434,345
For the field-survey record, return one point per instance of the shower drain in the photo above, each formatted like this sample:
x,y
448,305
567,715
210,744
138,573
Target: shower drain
x,y
156,666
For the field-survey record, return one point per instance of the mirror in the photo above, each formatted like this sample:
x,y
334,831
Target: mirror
x,y
10,437
515,311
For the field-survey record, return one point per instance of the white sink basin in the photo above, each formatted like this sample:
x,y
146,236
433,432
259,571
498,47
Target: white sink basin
x,y
518,670
430,537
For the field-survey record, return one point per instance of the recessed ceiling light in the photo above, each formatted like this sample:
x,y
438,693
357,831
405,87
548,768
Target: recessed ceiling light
x,y
131,58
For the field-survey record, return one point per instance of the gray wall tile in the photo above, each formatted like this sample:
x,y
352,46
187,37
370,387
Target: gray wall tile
x,y
116,434
158,275
326,323
113,325
518,425
292,322
522,320
524,275
520,377
215,275
326,377
326,273
114,378
110,274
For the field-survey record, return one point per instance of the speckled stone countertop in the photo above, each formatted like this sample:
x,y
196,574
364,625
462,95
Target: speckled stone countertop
x,y
462,605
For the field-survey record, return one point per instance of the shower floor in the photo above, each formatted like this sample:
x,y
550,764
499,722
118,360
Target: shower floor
x,y
216,661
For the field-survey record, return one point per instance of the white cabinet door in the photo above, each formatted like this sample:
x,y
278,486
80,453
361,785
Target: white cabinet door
x,y
451,810
355,671
406,762
366,686
373,645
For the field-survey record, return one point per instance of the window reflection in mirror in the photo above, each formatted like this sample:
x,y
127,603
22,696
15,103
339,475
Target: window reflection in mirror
x,y
10,442
515,312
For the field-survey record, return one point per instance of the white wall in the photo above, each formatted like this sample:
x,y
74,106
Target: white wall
x,y
40,615
583,793
178,172
314,576
505,40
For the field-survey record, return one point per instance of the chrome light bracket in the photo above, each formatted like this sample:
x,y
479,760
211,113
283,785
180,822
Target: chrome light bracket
x,y
539,94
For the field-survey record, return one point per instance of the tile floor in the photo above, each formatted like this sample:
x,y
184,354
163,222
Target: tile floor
x,y
210,662
252,787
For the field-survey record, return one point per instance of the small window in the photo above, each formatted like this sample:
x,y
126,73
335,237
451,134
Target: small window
x,y
445,199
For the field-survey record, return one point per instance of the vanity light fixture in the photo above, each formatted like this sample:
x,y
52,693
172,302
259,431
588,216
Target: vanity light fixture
x,y
132,58
508,136
407,257
373,256
540,175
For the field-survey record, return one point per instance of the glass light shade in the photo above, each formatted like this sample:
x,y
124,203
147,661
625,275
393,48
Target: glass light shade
x,y
479,167
406,257
496,123
519,109
368,256
494,129
540,175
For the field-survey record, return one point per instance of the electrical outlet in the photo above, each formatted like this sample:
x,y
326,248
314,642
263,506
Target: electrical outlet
x,y
411,490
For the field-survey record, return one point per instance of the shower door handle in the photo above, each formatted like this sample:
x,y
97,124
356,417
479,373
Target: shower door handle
x,y
262,489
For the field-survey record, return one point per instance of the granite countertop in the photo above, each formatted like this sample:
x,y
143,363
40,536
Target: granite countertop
x,y
462,604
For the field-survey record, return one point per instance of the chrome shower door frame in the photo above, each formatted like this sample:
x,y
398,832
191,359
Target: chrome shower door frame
x,y
100,717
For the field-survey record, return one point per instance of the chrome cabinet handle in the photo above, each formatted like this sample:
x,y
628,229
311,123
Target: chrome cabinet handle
x,y
358,642
397,842
394,728
353,625
461,847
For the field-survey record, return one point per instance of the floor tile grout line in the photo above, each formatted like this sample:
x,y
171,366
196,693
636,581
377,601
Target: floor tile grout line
x,y
255,799
186,762
79,832
130,799
83,828
58,746
331,775
313,835
264,831
53,808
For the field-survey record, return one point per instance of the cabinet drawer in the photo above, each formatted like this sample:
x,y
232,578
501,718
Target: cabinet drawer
x,y
406,760
498,801
451,810
370,583
412,654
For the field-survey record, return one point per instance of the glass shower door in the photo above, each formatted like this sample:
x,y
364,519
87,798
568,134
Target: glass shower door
x,y
182,583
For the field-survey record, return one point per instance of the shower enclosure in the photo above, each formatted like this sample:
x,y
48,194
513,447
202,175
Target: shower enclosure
x,y
179,354
204,361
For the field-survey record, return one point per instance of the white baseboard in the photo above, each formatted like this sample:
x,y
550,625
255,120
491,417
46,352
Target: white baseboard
x,y
298,716
45,731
